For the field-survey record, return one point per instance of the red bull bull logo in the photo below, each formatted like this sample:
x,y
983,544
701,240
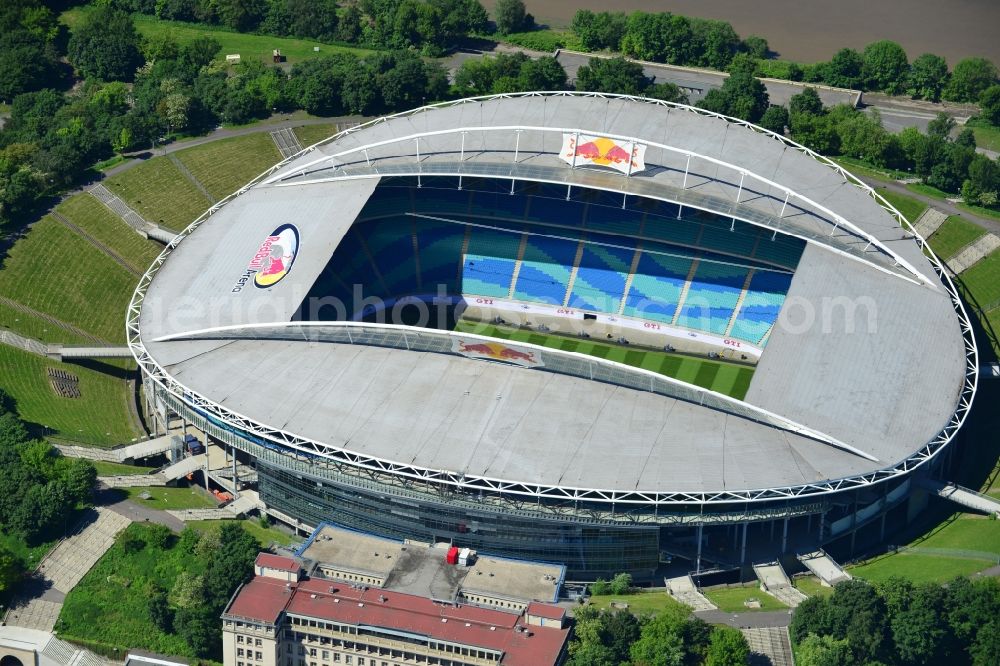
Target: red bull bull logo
x,y
624,156
496,351
273,259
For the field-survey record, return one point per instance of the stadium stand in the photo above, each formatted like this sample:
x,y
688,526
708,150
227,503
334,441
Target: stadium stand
x,y
699,273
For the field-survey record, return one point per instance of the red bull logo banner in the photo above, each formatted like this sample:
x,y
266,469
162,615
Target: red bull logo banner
x,y
273,259
625,156
496,351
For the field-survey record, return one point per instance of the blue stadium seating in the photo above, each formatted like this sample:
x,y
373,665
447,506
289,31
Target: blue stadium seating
x,y
600,278
489,262
761,305
552,230
545,270
656,287
711,298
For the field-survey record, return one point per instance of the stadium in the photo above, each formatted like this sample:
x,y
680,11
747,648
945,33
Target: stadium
x,y
598,330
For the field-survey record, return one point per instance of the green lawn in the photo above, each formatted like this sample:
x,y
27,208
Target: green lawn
x,y
33,326
257,47
987,137
918,567
310,134
865,170
910,208
954,234
811,587
928,190
99,417
30,555
54,270
226,165
730,599
980,211
983,279
105,468
109,605
641,603
159,192
265,535
97,220
965,532
164,498
726,378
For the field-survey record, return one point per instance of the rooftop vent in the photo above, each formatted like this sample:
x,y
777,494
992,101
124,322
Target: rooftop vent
x,y
312,596
493,628
444,619
360,605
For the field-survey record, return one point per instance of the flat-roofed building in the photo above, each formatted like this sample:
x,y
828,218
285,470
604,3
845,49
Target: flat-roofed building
x,y
319,622
422,569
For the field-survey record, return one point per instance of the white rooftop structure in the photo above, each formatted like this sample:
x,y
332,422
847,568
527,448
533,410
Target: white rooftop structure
x,y
869,372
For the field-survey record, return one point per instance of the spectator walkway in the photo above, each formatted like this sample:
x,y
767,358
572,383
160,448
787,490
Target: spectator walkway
x,y
973,252
39,605
286,141
774,581
824,567
190,176
769,646
929,221
143,227
684,590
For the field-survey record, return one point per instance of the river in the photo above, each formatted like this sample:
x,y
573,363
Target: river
x,y
810,30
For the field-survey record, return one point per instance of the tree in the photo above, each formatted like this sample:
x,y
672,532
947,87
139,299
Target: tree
x,y
864,137
928,75
941,126
11,570
198,625
661,642
917,631
159,608
742,95
727,647
621,583
716,42
81,478
775,119
989,105
983,184
844,70
807,101
885,67
823,651
969,79
240,15
510,16
612,75
756,47
603,30
106,46
985,651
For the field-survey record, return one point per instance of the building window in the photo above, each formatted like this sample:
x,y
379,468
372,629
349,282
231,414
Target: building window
x,y
239,639
259,656
239,652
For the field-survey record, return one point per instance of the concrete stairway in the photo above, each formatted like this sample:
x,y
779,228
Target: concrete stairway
x,y
929,221
774,581
824,567
684,590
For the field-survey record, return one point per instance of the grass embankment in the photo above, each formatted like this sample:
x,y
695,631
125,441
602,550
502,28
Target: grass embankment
x,y
310,134
727,378
97,220
811,587
172,499
976,535
109,605
159,192
250,47
987,136
910,208
99,417
732,599
953,235
56,271
265,535
224,166
105,468
639,603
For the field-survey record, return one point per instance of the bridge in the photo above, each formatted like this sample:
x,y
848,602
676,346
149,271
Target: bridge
x,y
64,352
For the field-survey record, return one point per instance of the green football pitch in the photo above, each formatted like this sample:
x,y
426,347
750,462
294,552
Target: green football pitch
x,y
730,379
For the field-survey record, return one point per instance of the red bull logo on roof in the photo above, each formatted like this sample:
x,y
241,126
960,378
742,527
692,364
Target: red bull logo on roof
x,y
625,156
496,351
273,259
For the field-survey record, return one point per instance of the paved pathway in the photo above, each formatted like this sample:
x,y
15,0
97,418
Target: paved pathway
x,y
41,600
946,206
12,339
974,252
752,620
769,645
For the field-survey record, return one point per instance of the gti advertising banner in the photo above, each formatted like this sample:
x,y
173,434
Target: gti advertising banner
x,y
602,151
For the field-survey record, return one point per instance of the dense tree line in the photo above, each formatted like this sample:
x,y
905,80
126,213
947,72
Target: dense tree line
x,y
39,489
897,623
672,638
427,25
881,66
947,163
31,42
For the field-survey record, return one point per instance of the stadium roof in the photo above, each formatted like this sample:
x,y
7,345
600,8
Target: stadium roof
x,y
855,401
